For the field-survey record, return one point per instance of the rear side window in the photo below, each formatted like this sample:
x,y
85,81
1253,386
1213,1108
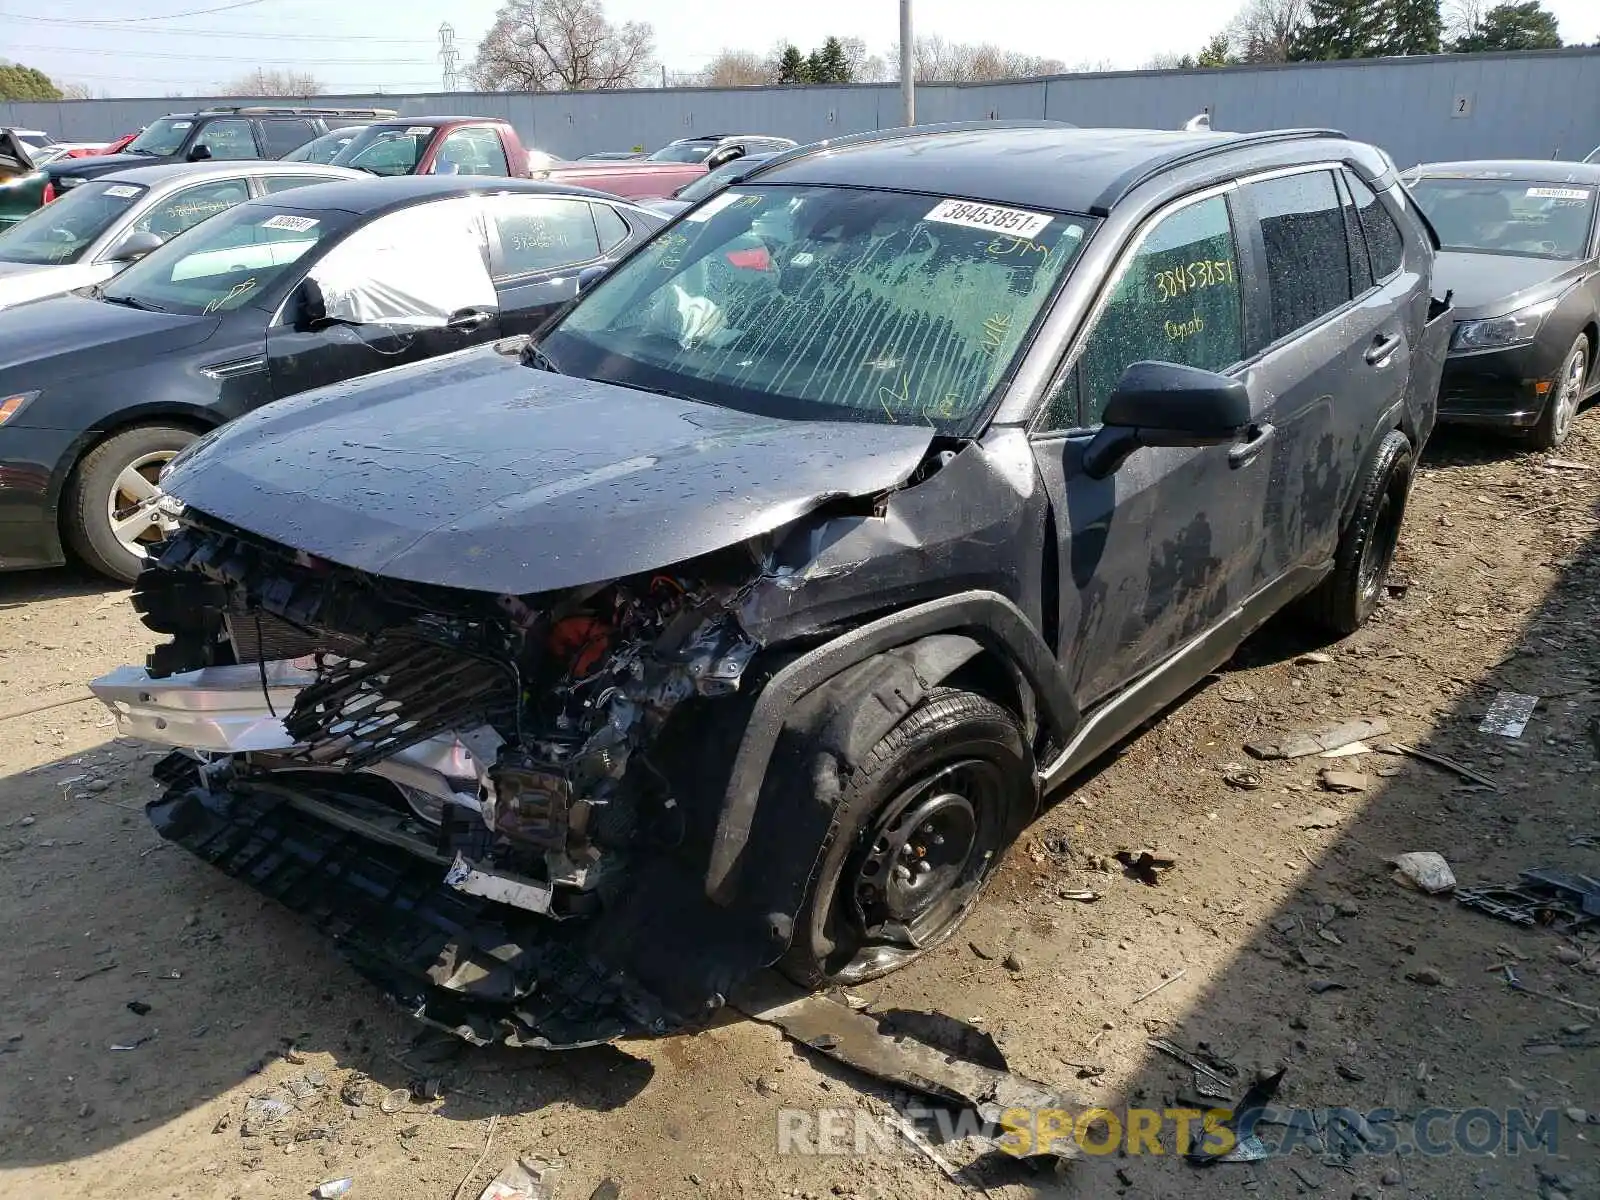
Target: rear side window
x,y
613,229
280,137
542,233
229,139
1178,301
1308,256
1384,241
282,183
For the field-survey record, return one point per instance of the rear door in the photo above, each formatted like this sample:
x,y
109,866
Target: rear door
x,y
279,135
409,285
187,207
1336,357
1166,546
538,246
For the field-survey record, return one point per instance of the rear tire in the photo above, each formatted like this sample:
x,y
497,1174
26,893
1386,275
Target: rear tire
x,y
1566,393
1344,600
108,514
922,825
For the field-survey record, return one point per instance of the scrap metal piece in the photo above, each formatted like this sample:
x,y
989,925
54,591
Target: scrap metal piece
x,y
1508,714
498,885
1298,745
1247,1147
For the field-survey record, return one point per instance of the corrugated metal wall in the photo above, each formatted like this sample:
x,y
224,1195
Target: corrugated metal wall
x,y
1537,105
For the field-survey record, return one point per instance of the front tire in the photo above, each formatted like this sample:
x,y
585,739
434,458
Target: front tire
x,y
109,516
1566,392
922,825
1345,599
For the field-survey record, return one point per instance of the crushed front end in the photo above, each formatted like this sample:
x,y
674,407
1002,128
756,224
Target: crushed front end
x,y
472,793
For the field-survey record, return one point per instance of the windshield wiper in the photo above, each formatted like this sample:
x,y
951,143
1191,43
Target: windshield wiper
x,y
641,387
534,357
129,302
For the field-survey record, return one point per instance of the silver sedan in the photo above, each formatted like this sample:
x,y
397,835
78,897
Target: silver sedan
x,y
92,232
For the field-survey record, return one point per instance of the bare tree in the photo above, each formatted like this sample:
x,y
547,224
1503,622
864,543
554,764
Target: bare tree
x,y
938,61
76,91
261,82
561,45
865,67
1462,19
737,68
1263,30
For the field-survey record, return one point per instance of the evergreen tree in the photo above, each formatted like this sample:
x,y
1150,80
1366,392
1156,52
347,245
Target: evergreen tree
x,y
813,67
831,64
1216,53
1524,26
791,66
1414,27
1339,29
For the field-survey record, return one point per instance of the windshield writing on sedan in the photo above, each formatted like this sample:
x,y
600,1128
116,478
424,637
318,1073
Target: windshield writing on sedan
x,y
161,138
60,232
1508,216
826,303
222,264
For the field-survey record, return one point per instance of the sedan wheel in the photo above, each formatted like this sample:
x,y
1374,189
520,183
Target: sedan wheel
x,y
112,514
1566,391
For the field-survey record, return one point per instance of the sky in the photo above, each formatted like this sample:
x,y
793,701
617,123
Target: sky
x,y
160,47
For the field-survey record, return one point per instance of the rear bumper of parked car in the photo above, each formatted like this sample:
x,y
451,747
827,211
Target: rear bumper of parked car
x,y
1501,389
29,536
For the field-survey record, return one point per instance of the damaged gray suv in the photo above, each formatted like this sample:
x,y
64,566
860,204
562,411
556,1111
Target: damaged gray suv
x,y
749,614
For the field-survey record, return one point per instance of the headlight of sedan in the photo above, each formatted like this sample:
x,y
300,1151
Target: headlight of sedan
x,y
10,406
1496,333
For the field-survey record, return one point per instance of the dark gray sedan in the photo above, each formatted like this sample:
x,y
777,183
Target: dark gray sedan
x,y
1520,250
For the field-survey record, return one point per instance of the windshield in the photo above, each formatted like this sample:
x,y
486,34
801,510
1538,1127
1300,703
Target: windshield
x,y
324,148
825,303
61,231
225,262
1508,216
163,137
713,182
683,152
385,151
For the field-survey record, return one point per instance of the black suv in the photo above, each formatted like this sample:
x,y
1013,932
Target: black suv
x,y
715,149
255,132
814,548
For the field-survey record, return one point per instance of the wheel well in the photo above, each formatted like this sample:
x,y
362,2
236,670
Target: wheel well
x,y
1592,332
123,423
988,676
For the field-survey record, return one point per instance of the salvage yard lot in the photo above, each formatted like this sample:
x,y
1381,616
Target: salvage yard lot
x,y
1499,589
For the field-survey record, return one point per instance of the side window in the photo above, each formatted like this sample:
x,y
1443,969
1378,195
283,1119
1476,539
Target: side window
x,y
283,183
1383,235
540,233
280,137
1177,300
1308,255
1356,240
228,139
613,229
472,151
186,209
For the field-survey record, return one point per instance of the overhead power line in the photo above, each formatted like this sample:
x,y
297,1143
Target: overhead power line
x,y
135,55
220,33
119,21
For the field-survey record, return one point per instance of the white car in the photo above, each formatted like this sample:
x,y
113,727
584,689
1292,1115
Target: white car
x,y
96,230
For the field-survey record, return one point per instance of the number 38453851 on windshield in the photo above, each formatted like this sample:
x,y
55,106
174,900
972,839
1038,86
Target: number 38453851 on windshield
x,y
1193,276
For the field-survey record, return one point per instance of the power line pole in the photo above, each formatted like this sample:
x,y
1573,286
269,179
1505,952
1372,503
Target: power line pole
x,y
449,56
908,81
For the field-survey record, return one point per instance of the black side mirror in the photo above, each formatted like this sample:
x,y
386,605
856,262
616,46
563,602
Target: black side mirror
x,y
1165,404
136,245
723,157
200,152
313,309
590,276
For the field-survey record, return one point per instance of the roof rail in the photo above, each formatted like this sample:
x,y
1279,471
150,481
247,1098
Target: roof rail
x,y
798,153
1121,186
262,110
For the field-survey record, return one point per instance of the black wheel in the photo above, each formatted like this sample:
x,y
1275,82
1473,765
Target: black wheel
x,y
923,823
1561,405
109,514
1345,599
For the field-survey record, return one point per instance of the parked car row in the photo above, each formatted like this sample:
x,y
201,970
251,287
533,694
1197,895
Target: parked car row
x,y
812,526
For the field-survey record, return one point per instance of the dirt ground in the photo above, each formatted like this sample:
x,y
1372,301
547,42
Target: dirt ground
x,y
1277,893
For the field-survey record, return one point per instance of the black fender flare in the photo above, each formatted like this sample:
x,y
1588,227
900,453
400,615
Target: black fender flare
x,y
986,620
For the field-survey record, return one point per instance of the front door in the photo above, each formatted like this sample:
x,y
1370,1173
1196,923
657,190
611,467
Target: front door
x,y
1165,546
410,285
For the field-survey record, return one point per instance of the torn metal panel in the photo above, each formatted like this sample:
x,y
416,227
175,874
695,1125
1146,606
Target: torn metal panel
x,y
215,709
550,483
498,885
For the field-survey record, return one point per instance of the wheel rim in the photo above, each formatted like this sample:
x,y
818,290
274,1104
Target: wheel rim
x,y
133,507
1378,554
920,868
1568,391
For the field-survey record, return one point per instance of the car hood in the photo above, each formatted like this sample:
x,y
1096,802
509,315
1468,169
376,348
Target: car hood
x,y
1488,285
99,164
472,471
33,335
20,282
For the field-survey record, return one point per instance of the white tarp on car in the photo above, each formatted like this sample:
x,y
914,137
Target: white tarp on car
x,y
416,267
